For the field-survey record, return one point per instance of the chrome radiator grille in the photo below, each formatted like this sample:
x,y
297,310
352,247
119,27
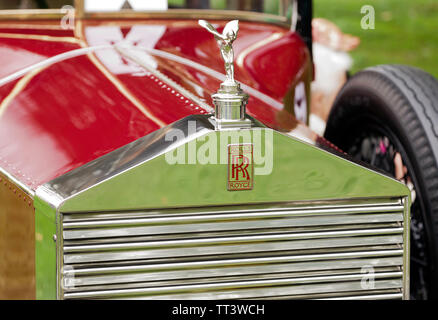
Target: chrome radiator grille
x,y
272,251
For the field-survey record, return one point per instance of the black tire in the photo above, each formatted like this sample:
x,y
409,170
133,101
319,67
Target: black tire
x,y
400,103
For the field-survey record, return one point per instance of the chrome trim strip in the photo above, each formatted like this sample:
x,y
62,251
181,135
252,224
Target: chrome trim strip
x,y
406,248
49,196
59,257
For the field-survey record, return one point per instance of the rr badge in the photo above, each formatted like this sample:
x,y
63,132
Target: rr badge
x,y
240,167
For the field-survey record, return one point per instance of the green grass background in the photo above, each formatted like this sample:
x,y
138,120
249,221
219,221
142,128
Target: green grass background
x,y
406,31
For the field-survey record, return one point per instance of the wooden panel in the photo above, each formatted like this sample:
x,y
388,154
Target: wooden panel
x,y
17,242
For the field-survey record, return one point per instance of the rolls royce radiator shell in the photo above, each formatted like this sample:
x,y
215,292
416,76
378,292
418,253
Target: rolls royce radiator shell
x,y
131,225
111,187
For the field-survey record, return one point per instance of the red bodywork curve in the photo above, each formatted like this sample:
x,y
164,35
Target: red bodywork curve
x,y
58,117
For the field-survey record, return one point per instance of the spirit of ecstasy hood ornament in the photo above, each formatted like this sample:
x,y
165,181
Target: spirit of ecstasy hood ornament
x,y
225,41
230,100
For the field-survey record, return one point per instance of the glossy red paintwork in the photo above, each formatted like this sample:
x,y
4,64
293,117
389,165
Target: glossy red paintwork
x,y
19,53
76,110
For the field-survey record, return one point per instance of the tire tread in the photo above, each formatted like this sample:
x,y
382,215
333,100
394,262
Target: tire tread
x,y
412,97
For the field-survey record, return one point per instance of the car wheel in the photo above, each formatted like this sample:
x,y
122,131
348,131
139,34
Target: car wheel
x,y
387,116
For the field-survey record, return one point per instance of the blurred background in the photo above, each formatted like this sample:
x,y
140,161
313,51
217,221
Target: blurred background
x,y
406,31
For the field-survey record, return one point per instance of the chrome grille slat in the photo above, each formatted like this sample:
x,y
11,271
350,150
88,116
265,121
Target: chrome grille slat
x,y
237,262
109,239
95,219
238,290
208,279
132,228
326,266
393,296
82,257
230,240
390,293
241,255
275,252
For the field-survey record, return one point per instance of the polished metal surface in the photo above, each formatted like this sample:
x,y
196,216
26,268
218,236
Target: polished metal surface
x,y
131,209
230,100
407,247
225,41
139,175
122,159
387,296
276,250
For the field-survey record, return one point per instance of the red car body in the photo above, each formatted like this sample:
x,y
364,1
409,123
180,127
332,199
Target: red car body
x,y
65,105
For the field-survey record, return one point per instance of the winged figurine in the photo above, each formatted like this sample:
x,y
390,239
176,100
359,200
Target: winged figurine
x,y
225,41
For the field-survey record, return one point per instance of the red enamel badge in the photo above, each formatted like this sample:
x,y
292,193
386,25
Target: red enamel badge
x,y
240,167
